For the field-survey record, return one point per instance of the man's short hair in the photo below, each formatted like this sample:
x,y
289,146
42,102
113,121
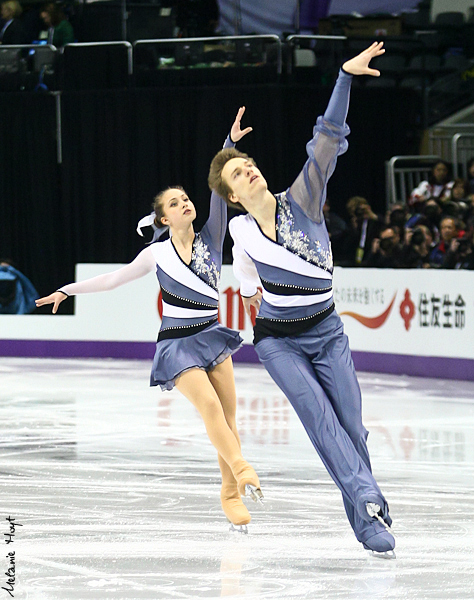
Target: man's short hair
x,y
215,181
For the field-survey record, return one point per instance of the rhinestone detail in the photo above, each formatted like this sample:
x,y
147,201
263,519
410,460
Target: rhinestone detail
x,y
297,241
187,326
296,287
202,263
296,320
188,299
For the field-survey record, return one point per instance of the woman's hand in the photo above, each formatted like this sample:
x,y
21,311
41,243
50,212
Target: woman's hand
x,y
254,301
236,133
359,65
56,298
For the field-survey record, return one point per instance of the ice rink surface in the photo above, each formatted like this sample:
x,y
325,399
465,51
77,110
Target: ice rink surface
x,y
113,491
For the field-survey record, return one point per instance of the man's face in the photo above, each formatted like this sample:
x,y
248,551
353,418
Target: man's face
x,y
447,230
244,179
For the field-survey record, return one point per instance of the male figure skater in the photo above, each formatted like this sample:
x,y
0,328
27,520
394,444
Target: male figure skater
x,y
282,244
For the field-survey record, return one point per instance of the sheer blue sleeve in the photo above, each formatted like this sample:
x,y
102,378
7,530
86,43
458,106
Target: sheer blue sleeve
x,y
216,225
329,141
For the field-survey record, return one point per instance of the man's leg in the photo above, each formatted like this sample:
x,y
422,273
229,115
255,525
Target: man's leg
x,y
293,372
336,374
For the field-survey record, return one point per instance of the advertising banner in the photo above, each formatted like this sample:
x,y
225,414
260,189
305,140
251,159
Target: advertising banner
x,y
419,322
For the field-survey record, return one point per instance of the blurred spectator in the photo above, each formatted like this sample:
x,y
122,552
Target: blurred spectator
x,y
460,190
416,250
449,231
197,18
364,227
60,31
437,186
469,216
13,31
386,250
470,174
460,197
17,293
429,214
460,254
397,217
337,229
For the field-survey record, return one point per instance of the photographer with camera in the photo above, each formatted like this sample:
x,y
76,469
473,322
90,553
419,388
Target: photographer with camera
x,y
449,231
364,227
386,250
416,250
460,254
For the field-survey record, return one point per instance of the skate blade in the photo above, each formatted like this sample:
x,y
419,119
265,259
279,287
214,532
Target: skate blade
x,y
388,555
255,493
239,529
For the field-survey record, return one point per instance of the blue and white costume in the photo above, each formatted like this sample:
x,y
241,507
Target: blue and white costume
x,y
298,335
190,335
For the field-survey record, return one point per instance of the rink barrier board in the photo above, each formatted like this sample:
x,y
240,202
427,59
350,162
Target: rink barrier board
x,y
418,322
373,362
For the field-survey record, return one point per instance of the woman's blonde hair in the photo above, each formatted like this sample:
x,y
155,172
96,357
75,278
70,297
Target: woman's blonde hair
x,y
14,6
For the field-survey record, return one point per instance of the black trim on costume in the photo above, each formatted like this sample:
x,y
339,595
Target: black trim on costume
x,y
275,241
188,266
61,292
181,332
277,329
180,257
290,290
184,302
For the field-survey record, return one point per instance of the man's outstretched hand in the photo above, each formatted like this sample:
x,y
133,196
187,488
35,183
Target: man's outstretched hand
x,y
359,65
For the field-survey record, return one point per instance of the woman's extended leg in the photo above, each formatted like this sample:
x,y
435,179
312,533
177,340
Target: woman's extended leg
x,y
196,386
222,380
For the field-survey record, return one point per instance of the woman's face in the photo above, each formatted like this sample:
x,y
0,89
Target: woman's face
x,y
458,191
178,210
440,172
428,235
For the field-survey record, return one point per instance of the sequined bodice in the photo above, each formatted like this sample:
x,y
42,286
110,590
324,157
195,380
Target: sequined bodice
x,y
203,264
293,238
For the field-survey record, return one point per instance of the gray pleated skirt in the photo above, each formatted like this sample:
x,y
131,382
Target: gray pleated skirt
x,y
203,350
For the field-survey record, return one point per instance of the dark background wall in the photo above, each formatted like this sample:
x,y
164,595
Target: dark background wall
x,y
120,147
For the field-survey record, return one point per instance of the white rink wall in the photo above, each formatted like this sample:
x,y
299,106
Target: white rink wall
x,y
407,313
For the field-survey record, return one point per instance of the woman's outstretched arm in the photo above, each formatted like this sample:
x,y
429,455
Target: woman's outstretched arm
x,y
143,264
217,222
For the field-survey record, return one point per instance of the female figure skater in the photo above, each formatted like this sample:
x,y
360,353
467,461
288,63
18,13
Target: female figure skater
x,y
193,351
282,244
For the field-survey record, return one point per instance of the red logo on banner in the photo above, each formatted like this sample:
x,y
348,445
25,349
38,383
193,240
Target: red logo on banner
x,y
231,294
372,322
159,304
407,309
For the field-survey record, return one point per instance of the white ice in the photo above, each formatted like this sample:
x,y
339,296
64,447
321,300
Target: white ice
x,y
114,488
